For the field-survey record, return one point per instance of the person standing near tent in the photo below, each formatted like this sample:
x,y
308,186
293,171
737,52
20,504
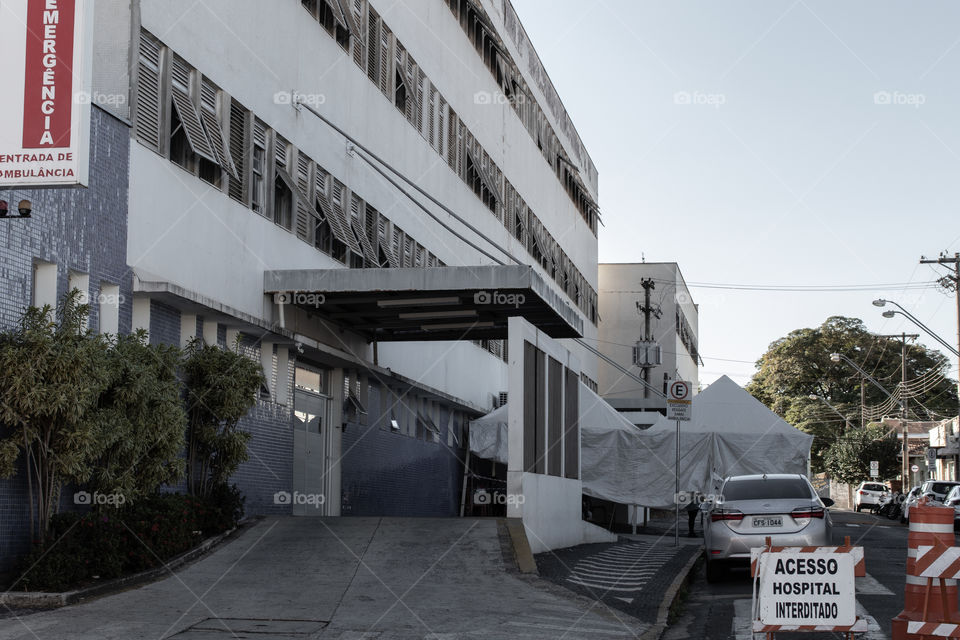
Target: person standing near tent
x,y
693,509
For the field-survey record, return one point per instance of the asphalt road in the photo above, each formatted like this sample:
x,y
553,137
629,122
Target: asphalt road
x,y
710,610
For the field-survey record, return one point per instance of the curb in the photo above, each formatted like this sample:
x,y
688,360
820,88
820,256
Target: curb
x,y
55,600
670,597
521,546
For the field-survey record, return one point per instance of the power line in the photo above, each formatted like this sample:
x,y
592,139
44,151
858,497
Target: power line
x,y
816,288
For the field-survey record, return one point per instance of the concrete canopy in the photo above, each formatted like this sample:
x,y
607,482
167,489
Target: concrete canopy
x,y
436,303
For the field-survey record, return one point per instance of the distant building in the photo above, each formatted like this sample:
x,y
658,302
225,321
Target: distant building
x,y
944,441
672,350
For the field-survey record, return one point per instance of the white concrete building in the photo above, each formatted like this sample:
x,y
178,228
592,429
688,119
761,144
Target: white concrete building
x,y
273,138
673,329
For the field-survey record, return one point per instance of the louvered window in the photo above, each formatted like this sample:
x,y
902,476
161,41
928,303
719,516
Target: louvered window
x,y
386,39
359,34
339,224
386,244
211,124
373,46
186,117
431,123
258,159
420,84
148,111
357,217
408,253
238,146
306,212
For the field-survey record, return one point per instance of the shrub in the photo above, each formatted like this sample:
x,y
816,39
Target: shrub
x,y
104,545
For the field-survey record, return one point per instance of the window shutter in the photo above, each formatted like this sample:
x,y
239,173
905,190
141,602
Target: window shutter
x,y
280,148
373,46
211,123
189,118
420,257
421,79
413,108
452,140
441,127
386,36
431,123
408,253
359,36
148,113
384,242
238,149
305,213
357,217
339,224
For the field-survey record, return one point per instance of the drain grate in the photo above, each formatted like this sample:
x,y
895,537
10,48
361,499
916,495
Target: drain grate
x,y
252,628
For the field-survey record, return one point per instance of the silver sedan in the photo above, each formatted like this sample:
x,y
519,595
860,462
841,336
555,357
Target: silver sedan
x,y
784,507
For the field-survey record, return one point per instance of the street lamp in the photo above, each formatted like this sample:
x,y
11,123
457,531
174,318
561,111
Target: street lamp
x,y
846,420
889,313
905,469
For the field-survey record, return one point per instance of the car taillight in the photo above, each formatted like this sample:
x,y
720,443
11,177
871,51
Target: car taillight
x,y
863,493
807,512
726,514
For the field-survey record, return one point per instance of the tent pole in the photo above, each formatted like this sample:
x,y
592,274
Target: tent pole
x,y
463,491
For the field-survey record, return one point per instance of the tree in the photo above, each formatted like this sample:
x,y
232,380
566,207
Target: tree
x,y
848,459
221,387
798,366
52,373
140,419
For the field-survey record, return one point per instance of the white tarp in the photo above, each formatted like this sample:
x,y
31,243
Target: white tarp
x,y
731,433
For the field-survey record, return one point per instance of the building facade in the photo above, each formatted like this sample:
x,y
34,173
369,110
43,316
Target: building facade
x,y
648,317
237,138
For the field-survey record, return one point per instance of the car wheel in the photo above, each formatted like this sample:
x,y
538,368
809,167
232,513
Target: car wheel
x,y
715,571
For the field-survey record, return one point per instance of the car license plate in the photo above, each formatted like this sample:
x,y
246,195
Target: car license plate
x,y
768,522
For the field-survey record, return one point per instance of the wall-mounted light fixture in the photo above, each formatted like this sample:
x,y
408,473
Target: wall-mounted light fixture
x,y
23,209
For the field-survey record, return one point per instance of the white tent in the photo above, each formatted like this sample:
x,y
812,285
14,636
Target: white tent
x,y
731,433
607,442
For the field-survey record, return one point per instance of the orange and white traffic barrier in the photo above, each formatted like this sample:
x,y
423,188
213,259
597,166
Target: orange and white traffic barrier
x,y
859,568
930,602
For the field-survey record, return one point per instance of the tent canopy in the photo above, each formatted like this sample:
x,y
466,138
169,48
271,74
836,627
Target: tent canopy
x,y
731,433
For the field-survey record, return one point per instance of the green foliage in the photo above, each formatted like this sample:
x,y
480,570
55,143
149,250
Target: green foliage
x,y
108,545
140,420
221,387
798,365
848,459
51,375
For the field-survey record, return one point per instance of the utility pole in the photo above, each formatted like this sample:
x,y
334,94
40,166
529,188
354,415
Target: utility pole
x,y
903,415
951,282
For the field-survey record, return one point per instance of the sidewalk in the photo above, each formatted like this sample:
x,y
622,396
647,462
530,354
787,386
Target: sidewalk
x,y
341,578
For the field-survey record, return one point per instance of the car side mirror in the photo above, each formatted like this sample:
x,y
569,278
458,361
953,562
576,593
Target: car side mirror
x,y
827,502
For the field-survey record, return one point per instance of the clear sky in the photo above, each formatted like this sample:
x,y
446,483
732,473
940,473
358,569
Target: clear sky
x,y
747,141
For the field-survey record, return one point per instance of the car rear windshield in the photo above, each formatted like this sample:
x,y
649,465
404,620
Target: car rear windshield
x,y
771,488
874,487
940,487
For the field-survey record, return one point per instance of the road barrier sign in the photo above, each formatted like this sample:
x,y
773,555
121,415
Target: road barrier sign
x,y
930,593
806,588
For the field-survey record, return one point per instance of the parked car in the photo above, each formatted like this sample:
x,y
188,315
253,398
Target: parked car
x,y
868,494
953,500
935,490
748,509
